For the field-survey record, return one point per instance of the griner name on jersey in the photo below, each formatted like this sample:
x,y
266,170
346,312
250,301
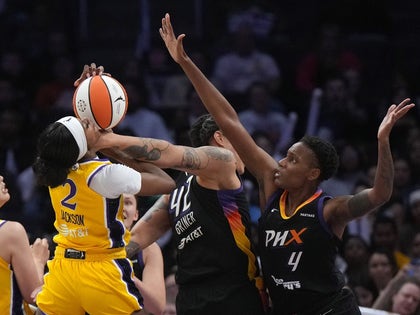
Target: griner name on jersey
x,y
180,205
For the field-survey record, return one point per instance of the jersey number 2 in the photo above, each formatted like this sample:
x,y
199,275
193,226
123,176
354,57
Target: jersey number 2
x,y
65,202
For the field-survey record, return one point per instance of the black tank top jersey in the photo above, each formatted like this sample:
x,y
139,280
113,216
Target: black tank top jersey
x,y
298,256
138,265
212,234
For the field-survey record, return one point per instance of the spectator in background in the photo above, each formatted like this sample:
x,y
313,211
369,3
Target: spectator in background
x,y
147,264
385,235
403,181
236,70
402,294
411,223
382,266
338,114
414,249
413,151
156,71
328,56
16,154
54,97
265,113
140,119
356,256
365,291
14,66
350,171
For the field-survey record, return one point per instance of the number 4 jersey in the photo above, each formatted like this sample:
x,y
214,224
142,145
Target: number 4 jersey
x,y
298,255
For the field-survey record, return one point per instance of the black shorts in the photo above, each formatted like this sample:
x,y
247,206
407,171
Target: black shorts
x,y
344,303
219,298
341,303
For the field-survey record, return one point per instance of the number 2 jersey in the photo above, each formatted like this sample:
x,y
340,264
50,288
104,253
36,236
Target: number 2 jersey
x,y
212,234
88,219
298,255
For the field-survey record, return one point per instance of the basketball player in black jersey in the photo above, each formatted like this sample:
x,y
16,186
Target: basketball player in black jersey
x,y
217,269
300,226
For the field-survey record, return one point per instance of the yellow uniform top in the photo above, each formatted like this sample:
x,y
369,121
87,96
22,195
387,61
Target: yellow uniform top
x,y
84,219
10,296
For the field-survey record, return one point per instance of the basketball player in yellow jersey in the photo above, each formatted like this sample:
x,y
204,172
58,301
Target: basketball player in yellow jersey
x,y
21,266
90,272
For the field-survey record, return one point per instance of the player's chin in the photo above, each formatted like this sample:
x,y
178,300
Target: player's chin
x,y
278,182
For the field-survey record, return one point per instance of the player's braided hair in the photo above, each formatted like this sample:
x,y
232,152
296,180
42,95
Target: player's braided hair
x,y
202,130
326,155
57,153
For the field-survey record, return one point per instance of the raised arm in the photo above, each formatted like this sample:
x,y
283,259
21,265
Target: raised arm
x,y
256,159
344,209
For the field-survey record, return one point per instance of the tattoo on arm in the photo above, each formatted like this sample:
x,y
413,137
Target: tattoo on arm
x,y
190,160
132,249
145,152
160,205
360,204
217,154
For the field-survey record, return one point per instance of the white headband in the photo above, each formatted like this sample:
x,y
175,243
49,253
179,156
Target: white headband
x,y
76,129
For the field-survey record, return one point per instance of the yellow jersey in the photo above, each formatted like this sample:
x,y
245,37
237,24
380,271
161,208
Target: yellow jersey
x,y
86,220
10,296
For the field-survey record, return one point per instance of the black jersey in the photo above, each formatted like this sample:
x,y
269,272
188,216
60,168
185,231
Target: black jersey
x,y
298,256
212,233
215,256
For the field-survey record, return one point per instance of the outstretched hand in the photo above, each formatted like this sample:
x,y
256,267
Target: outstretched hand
x,y
89,71
394,113
173,44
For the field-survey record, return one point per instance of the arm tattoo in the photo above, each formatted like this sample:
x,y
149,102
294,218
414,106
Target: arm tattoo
x,y
161,204
217,154
360,204
190,160
143,152
132,249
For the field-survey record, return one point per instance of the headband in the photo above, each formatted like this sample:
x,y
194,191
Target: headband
x,y
78,133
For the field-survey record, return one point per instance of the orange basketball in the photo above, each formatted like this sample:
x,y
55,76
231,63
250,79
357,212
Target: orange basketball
x,y
102,99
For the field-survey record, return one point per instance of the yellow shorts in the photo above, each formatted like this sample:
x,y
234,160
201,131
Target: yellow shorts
x,y
100,284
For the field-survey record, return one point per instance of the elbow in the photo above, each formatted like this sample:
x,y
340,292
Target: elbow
x,y
379,199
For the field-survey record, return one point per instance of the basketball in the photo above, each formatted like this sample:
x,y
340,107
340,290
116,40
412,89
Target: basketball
x,y
102,99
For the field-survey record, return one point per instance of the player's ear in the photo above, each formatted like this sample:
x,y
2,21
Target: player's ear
x,y
314,173
218,138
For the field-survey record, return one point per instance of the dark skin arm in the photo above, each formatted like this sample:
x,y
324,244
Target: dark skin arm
x,y
341,210
259,163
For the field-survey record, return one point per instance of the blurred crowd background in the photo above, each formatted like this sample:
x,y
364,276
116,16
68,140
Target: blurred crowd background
x,y
328,68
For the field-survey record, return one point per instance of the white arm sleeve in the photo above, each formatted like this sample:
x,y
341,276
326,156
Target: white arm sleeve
x,y
115,179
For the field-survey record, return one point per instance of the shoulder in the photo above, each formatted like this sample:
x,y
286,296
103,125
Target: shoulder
x,y
12,237
12,230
